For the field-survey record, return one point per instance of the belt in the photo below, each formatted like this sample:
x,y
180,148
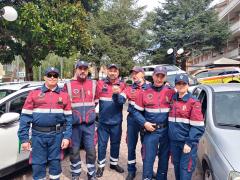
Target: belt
x,y
56,128
160,126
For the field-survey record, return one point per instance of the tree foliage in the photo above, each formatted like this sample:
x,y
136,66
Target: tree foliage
x,y
117,34
190,24
57,26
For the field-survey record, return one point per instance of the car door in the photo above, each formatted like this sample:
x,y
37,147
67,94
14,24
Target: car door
x,y
200,94
9,151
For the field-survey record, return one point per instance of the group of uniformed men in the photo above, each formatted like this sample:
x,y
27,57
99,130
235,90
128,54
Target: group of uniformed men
x,y
168,121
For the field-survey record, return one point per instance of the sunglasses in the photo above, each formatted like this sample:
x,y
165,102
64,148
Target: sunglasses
x,y
52,75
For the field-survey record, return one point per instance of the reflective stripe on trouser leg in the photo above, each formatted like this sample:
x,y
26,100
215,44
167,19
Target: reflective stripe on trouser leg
x,y
113,161
133,130
103,136
101,163
75,160
115,138
90,159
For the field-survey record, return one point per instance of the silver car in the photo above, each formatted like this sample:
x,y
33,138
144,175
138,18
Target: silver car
x,y
220,145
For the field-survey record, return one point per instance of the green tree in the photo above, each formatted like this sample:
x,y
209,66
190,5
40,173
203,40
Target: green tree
x,y
190,24
43,27
117,34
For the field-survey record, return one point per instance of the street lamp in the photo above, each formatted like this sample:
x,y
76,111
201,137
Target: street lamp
x,y
8,13
174,52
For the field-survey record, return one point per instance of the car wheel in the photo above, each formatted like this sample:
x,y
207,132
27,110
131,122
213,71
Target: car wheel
x,y
207,173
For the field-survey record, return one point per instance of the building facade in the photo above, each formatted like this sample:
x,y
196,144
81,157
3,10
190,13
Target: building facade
x,y
228,11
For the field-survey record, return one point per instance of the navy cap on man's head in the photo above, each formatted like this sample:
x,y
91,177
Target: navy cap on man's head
x,y
181,78
160,70
112,66
51,70
137,69
80,63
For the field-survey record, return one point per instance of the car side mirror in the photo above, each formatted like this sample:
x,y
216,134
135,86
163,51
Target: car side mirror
x,y
9,117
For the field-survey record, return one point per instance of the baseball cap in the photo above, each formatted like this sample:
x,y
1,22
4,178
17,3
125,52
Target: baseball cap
x,y
80,63
137,69
51,70
160,70
181,78
112,66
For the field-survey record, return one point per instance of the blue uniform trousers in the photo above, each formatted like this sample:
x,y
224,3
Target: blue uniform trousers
x,y
184,163
104,132
83,133
155,143
133,131
46,148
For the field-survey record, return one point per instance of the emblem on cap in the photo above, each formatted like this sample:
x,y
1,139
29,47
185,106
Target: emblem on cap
x,y
181,77
52,68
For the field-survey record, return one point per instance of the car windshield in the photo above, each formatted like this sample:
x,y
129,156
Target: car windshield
x,y
226,108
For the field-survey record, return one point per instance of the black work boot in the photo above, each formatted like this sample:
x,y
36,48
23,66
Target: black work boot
x,y
117,168
130,176
99,172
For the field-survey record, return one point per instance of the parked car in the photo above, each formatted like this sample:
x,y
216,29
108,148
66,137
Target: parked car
x,y
168,66
11,159
11,87
218,75
219,147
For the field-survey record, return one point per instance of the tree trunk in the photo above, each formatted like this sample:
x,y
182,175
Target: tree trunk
x,y
29,69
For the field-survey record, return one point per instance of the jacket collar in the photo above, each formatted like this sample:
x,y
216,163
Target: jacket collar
x,y
107,80
185,98
136,86
158,89
45,89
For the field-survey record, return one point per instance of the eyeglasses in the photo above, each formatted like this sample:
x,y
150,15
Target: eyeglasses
x,y
52,75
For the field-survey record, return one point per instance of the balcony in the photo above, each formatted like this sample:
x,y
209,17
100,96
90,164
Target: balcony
x,y
235,27
230,7
233,54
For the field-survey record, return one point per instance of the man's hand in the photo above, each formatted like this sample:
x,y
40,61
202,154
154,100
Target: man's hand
x,y
149,126
116,89
65,143
26,146
186,148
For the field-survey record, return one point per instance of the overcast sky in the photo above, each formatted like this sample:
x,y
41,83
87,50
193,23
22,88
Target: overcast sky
x,y
151,4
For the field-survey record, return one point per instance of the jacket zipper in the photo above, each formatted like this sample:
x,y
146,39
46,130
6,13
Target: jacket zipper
x,y
50,101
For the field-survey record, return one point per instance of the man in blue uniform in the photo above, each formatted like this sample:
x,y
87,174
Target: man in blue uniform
x,y
82,91
48,110
110,119
133,128
151,112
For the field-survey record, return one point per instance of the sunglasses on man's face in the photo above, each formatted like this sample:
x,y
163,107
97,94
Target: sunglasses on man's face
x,y
52,75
